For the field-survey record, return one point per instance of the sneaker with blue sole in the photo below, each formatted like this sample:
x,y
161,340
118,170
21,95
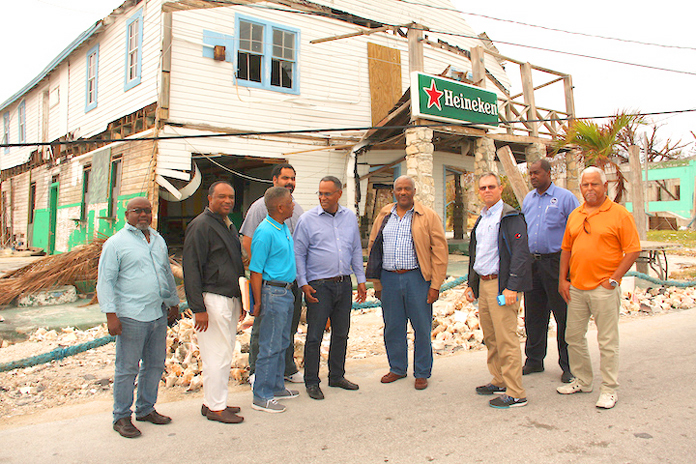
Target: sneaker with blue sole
x,y
506,402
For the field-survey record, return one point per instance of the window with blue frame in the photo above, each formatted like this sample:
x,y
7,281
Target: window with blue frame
x,y
134,50
22,121
267,55
91,78
6,130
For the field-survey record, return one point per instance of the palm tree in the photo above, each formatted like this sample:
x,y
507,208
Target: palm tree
x,y
599,144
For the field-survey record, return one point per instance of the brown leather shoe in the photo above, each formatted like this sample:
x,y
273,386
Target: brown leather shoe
x,y
226,416
125,427
391,377
421,383
204,409
155,418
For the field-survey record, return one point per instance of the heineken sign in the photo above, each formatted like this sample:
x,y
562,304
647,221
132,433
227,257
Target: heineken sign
x,y
452,101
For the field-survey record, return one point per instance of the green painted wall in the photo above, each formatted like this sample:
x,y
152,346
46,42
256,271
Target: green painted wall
x,y
683,170
85,230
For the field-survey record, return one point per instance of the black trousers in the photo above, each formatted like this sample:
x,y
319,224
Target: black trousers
x,y
539,303
335,301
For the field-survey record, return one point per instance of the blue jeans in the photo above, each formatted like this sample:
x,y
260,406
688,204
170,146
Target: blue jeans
x,y
334,303
404,298
138,341
274,336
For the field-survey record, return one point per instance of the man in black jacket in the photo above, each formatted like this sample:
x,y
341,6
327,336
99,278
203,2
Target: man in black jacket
x,y
499,269
212,267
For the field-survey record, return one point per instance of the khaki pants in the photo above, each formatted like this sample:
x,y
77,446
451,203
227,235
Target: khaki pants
x,y
499,324
604,305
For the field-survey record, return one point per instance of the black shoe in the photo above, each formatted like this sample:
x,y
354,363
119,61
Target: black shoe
x,y
490,389
204,409
343,383
567,377
531,369
125,427
155,418
314,392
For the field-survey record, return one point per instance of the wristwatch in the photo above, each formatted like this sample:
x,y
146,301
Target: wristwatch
x,y
613,283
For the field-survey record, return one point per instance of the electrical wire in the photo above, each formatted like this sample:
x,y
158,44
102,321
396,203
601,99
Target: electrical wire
x,y
323,130
547,28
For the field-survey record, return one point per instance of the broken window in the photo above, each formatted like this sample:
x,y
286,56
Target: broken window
x,y
664,190
6,130
22,122
91,84
267,55
134,42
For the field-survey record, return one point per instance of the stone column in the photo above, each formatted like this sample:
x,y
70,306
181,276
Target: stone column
x,y
419,163
573,169
534,152
484,153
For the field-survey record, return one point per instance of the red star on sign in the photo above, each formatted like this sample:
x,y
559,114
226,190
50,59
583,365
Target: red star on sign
x,y
433,95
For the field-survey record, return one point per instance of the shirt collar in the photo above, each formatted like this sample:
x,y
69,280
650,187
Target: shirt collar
x,y
338,211
274,223
132,228
606,206
550,191
393,210
495,209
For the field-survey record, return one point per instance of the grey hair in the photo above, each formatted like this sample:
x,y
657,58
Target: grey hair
x,y
594,169
491,174
333,179
410,179
273,196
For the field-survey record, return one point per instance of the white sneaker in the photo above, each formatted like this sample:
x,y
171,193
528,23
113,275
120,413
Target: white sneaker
x,y
251,380
573,387
607,400
297,377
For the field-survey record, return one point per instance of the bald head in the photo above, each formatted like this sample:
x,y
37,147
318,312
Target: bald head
x,y
139,213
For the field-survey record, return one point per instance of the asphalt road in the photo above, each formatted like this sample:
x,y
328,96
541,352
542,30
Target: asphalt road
x,y
654,420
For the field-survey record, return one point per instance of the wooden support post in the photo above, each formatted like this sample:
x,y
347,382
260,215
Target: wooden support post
x,y
569,98
478,67
528,92
519,186
415,48
638,199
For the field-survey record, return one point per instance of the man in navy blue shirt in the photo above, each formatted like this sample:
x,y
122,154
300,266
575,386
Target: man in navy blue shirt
x,y
546,209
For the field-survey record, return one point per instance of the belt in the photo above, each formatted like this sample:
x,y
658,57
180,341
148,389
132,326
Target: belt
x,y
401,271
275,283
538,256
489,277
334,279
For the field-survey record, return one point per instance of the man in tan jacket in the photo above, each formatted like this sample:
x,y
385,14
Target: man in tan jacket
x,y
408,263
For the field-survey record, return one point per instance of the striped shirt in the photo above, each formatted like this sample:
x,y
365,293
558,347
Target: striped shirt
x,y
399,251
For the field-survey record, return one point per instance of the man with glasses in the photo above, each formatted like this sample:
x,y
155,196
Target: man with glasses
x,y
212,267
499,269
327,252
136,290
283,175
600,245
408,262
546,210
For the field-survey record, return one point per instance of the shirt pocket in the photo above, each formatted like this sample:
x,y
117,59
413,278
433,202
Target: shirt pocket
x,y
554,216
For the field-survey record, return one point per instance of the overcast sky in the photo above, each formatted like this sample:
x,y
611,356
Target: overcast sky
x,y
33,32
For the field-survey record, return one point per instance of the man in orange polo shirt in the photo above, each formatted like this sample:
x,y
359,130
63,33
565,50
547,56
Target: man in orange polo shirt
x,y
600,244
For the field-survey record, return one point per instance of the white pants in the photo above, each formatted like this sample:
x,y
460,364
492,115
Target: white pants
x,y
217,348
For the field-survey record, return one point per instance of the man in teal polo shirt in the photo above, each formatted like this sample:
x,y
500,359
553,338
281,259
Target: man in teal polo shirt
x,y
272,274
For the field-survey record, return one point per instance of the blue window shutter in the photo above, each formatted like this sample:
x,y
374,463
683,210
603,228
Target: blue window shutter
x,y
130,82
90,105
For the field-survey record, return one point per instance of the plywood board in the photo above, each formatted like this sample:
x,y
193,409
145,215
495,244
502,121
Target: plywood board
x,y
384,64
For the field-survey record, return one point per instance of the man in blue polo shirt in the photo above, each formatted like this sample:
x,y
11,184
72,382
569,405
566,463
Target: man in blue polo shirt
x,y
273,271
546,210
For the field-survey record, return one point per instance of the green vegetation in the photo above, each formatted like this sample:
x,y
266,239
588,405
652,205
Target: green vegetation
x,y
687,238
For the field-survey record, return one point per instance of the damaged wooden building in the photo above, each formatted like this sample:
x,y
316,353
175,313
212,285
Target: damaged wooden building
x,y
162,98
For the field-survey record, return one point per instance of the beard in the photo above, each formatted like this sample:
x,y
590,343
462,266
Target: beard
x,y
142,226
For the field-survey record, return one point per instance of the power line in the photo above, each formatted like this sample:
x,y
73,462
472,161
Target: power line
x,y
547,28
324,130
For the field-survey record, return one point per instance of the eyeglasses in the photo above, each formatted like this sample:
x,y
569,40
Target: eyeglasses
x,y
325,194
586,226
141,210
489,187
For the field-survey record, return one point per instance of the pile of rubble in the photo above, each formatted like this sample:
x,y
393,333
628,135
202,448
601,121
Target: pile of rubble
x,y
89,375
